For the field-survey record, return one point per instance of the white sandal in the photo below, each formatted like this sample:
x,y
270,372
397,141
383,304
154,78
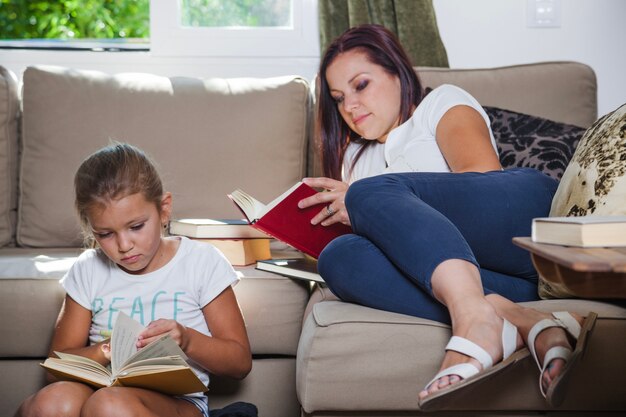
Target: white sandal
x,y
469,373
562,319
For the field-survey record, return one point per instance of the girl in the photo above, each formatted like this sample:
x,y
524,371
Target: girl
x,y
432,237
174,286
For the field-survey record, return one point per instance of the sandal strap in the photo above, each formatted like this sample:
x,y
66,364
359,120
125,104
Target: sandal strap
x,y
509,339
464,370
568,322
471,349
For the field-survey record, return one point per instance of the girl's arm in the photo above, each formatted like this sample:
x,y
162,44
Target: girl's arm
x,y
463,137
71,333
226,352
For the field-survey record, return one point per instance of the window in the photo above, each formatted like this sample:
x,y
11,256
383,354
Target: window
x,y
252,28
176,28
74,24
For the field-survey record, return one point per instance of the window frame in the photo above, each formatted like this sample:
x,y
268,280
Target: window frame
x,y
169,38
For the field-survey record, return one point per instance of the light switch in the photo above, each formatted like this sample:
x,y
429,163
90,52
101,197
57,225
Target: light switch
x,y
543,13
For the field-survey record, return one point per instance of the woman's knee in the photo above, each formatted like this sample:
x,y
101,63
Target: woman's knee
x,y
57,399
335,263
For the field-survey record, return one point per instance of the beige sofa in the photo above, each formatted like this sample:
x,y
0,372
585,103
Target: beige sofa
x,y
313,355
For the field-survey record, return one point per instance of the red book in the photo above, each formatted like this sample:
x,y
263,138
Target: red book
x,y
285,221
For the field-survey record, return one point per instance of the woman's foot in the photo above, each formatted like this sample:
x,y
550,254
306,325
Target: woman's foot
x,y
482,330
552,338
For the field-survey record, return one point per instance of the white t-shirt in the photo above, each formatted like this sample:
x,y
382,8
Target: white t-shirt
x,y
178,290
412,147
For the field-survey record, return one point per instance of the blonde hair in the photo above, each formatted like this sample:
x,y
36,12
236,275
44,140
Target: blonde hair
x,y
111,173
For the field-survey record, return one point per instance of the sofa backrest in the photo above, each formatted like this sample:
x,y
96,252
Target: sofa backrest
x,y
564,92
207,136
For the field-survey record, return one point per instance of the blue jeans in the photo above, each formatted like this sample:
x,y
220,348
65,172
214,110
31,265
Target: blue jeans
x,y
406,224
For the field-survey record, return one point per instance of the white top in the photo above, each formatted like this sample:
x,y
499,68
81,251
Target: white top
x,y
412,147
178,290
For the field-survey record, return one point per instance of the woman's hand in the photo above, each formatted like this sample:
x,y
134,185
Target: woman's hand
x,y
332,198
161,327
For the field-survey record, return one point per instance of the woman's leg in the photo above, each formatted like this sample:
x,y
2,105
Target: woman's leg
x,y
430,225
357,271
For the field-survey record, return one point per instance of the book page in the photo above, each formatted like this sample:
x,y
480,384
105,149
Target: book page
x,y
250,206
163,347
123,340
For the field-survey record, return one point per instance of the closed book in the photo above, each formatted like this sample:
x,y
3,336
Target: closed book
x,y
300,268
284,220
242,252
584,231
215,229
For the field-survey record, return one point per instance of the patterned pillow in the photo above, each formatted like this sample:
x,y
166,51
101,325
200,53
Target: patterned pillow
x,y
595,180
530,141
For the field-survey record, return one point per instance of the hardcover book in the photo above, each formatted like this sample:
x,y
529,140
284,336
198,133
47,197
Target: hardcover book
x,y
160,366
300,268
242,252
215,229
584,231
284,220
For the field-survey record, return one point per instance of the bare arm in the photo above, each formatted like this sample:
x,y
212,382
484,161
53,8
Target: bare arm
x,y
463,138
225,352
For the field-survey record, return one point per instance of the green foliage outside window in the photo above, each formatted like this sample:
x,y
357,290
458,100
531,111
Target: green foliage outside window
x,y
74,19
238,13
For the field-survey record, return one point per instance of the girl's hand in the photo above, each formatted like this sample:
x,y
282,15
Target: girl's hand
x,y
334,210
161,327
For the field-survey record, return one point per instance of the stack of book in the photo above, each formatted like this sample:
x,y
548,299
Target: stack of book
x,y
241,243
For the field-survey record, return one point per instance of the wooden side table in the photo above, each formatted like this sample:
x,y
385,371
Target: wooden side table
x,y
584,272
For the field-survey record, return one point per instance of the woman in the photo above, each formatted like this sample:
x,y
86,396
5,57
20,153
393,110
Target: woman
x,y
432,237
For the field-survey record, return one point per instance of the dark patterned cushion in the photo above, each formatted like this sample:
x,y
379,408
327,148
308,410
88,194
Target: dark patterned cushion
x,y
530,141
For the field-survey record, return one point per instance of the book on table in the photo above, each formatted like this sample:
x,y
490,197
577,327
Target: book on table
x,y
160,366
242,252
215,229
585,231
299,268
285,221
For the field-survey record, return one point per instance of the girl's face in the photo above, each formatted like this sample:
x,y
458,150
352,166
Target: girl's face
x,y
367,96
129,232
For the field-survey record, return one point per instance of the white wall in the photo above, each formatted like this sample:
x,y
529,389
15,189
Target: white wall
x,y
480,33
477,33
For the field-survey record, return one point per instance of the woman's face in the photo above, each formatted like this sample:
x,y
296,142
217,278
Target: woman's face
x,y
368,97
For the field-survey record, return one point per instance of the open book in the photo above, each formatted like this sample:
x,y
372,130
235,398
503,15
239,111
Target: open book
x,y
284,220
160,366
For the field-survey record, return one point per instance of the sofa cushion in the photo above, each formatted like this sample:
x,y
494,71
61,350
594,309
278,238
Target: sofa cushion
x,y
9,116
595,180
356,358
530,141
208,136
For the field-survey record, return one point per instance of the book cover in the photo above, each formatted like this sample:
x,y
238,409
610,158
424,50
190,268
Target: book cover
x,y
284,220
242,252
215,229
583,231
160,366
300,268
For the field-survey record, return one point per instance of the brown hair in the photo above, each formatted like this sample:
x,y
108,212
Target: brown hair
x,y
381,48
114,172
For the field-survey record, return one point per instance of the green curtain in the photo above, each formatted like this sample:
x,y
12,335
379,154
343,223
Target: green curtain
x,y
413,21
